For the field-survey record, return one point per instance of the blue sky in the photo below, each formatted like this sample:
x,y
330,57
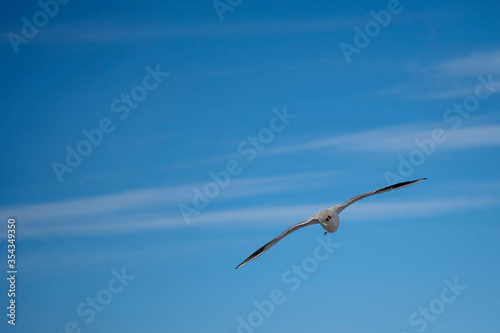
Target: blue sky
x,y
266,99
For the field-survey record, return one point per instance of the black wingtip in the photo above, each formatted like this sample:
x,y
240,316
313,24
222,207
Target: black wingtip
x,y
399,185
246,261
409,182
242,264
253,256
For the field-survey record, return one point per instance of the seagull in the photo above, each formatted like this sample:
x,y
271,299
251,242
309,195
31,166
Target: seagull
x,y
328,218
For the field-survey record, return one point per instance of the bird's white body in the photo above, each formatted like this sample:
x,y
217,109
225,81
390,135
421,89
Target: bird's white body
x,y
328,218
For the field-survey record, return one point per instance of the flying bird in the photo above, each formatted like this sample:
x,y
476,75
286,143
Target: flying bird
x,y
328,218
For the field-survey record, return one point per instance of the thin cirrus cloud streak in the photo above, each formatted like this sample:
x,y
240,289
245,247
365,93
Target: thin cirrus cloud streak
x,y
258,216
40,221
444,94
104,32
163,198
364,211
412,92
100,204
99,32
458,74
399,138
471,65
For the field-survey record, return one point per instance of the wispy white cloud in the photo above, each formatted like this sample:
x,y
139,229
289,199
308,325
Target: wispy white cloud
x,y
412,92
102,32
126,221
450,78
471,65
380,209
101,204
399,138
368,211
265,216
473,137
157,208
131,31
142,209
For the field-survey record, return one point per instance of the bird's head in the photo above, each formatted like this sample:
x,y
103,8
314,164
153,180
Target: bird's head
x,y
329,220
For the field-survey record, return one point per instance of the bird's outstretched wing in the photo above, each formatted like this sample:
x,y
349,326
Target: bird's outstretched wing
x,y
349,202
277,239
